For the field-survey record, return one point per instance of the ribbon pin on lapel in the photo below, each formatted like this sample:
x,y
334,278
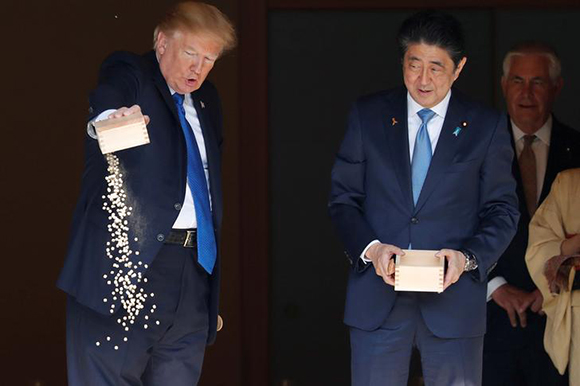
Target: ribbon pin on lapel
x,y
459,128
394,121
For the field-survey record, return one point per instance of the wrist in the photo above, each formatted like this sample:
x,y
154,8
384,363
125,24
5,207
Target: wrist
x,y
370,253
470,260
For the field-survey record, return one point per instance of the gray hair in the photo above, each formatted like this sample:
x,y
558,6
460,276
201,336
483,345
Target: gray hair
x,y
535,48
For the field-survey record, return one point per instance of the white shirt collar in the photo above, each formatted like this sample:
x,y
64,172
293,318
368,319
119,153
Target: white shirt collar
x,y
440,109
544,133
187,100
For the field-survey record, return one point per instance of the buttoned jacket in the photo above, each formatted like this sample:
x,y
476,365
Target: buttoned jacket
x,y
468,201
154,178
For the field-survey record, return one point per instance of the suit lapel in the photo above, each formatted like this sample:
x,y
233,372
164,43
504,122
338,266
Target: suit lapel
x,y
558,158
445,150
525,216
161,85
558,147
397,136
212,153
206,128
210,142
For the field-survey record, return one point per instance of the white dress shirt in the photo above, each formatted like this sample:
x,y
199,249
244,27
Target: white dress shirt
x,y
541,148
186,218
413,123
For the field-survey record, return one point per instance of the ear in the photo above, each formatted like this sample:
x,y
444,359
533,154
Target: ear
x,y
161,45
460,66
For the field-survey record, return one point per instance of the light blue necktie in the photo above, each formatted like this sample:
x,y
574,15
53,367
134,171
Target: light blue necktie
x,y
206,244
421,154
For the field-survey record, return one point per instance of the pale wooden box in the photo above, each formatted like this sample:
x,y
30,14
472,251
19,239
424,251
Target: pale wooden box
x,y
419,271
121,133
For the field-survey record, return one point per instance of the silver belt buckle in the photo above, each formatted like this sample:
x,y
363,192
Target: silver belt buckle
x,y
188,236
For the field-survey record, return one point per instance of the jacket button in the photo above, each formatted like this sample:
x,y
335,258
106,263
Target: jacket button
x,y
177,206
160,237
414,220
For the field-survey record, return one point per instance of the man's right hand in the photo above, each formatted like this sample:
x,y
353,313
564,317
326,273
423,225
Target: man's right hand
x,y
381,256
515,302
125,111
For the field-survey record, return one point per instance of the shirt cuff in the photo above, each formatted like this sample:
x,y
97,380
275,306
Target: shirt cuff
x,y
91,125
362,255
494,284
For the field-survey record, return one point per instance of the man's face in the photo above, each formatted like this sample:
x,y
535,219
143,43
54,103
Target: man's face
x,y
529,91
185,59
429,73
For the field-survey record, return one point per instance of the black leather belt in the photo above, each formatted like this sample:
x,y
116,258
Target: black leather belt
x,y
185,237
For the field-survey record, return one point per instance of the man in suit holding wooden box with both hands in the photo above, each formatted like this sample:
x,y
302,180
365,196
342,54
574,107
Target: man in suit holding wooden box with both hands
x,y
422,167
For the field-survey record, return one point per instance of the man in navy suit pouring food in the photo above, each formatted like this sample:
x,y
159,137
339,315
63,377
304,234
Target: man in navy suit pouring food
x,y
142,267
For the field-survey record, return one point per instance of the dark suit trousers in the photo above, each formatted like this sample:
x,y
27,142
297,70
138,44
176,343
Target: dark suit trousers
x,y
516,356
168,353
382,357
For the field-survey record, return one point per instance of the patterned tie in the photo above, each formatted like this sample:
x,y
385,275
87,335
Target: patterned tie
x,y
527,162
206,244
421,154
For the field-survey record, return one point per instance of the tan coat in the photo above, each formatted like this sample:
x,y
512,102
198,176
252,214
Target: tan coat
x,y
558,216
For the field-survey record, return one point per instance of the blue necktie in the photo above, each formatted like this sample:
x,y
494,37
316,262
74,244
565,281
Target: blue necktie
x,y
421,154
206,244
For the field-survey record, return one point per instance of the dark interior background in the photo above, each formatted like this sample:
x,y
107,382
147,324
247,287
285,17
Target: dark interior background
x,y
286,92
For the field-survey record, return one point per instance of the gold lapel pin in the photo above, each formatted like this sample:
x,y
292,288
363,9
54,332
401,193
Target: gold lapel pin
x,y
464,124
394,121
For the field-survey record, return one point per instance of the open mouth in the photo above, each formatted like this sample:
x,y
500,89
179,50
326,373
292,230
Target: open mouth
x,y
190,81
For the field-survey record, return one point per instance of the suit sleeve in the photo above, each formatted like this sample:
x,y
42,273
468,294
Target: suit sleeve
x,y
118,84
498,214
347,192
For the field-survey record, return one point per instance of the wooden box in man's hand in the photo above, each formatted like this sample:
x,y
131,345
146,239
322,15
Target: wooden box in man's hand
x,y
419,271
121,133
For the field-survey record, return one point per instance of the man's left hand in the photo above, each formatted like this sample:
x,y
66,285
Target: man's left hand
x,y
455,265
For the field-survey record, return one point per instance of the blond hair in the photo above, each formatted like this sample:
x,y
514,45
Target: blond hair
x,y
197,18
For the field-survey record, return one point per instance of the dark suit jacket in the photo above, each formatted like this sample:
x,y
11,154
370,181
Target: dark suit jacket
x,y
154,177
564,153
468,201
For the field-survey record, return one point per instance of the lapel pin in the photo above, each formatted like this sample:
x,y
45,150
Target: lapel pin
x,y
202,104
394,121
458,129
